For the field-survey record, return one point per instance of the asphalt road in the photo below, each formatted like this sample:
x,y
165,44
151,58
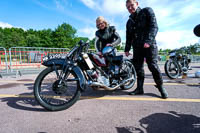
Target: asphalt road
x,y
104,111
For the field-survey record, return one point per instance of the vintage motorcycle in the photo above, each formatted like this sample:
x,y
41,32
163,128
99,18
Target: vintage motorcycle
x,y
60,85
176,65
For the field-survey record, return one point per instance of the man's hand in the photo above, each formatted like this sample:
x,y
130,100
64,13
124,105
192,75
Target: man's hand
x,y
99,53
108,44
127,54
146,45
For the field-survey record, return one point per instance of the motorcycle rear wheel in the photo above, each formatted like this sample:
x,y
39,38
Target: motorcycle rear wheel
x,y
129,69
172,69
54,95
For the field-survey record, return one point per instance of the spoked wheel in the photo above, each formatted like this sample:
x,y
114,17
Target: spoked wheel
x,y
129,71
172,69
54,94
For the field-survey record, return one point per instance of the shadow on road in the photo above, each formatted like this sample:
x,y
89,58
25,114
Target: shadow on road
x,y
23,103
129,129
171,122
27,102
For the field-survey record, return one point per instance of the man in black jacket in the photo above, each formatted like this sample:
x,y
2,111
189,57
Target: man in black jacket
x,y
141,30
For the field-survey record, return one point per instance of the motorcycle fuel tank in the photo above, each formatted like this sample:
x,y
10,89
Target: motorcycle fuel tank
x,y
99,60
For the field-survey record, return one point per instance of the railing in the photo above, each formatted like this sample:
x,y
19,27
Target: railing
x,y
28,59
3,60
20,60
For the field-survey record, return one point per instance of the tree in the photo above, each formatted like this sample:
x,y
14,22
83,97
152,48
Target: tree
x,y
63,36
45,38
92,43
32,40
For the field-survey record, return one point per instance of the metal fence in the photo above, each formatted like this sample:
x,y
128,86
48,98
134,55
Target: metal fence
x,y
3,61
21,60
22,57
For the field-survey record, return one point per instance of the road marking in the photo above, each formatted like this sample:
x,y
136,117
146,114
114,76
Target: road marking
x,y
31,82
18,82
114,98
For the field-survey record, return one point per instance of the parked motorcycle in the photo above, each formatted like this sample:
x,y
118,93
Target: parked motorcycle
x,y
59,86
176,65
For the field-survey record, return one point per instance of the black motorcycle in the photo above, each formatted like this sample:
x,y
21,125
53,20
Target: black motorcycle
x,y
60,85
176,65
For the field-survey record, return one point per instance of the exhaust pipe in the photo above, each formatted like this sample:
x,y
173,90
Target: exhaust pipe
x,y
97,84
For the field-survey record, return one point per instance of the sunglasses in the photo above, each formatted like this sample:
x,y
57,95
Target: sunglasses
x,y
100,23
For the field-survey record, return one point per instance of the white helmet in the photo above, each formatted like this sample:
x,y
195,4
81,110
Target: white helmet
x,y
197,74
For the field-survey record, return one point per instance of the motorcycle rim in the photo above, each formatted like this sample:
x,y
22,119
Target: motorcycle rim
x,y
172,69
131,73
54,95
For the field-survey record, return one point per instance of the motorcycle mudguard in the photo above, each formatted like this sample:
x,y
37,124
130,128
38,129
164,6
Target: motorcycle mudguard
x,y
52,62
76,69
81,77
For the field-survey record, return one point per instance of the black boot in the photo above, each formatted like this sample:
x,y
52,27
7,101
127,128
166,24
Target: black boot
x,y
163,91
139,90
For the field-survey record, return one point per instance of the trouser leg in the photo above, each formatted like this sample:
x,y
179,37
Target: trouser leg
x,y
138,62
151,59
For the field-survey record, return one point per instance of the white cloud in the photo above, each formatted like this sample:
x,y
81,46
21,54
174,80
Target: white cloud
x,y
172,13
106,7
87,32
176,19
190,9
5,25
114,7
89,3
59,5
175,39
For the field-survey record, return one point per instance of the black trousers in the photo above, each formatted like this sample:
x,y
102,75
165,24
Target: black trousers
x,y
151,56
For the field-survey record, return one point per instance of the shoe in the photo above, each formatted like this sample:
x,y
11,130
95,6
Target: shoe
x,y
137,92
189,68
163,92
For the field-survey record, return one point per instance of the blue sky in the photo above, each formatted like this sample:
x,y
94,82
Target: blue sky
x,y
176,19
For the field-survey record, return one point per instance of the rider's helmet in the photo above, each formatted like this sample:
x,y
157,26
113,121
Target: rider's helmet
x,y
108,51
197,74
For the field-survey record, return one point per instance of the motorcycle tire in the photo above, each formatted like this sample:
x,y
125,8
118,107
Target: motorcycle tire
x,y
131,73
172,69
53,95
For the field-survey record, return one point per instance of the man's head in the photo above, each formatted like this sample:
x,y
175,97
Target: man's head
x,y
131,5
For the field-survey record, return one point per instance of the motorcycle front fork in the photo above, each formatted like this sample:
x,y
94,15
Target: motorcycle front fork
x,y
62,75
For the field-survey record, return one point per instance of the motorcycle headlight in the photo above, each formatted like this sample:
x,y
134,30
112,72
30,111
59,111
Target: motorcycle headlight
x,y
179,56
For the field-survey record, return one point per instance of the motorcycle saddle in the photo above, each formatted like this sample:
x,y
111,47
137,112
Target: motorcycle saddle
x,y
117,59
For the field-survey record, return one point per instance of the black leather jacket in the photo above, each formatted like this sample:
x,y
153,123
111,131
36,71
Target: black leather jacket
x,y
141,28
106,36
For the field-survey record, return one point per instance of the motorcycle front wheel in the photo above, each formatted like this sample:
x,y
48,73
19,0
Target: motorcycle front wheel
x,y
128,69
54,94
172,69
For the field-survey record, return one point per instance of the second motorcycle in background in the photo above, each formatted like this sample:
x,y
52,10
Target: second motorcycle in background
x,y
177,65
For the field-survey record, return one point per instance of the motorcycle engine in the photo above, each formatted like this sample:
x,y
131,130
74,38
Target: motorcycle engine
x,y
93,74
103,80
97,77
